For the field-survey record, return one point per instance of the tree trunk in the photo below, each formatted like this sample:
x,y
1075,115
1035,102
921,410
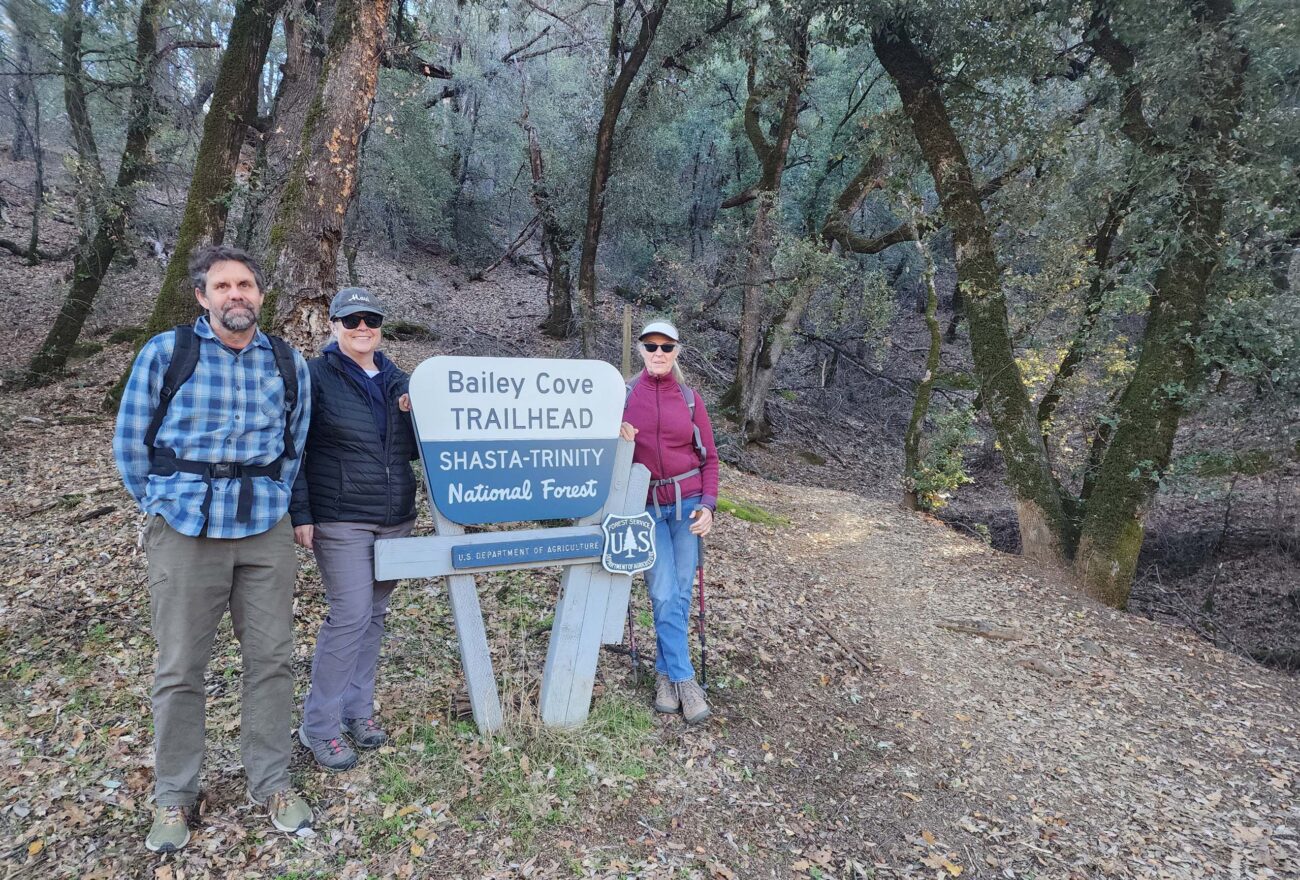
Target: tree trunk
x,y
747,396
24,87
307,25
924,388
304,241
1103,246
87,169
38,183
556,242
618,81
1167,369
1044,528
92,264
234,103
753,417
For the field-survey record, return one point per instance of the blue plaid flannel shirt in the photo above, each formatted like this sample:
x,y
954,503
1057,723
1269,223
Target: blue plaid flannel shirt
x,y
231,410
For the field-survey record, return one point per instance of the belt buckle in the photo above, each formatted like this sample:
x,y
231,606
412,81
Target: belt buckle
x,y
225,471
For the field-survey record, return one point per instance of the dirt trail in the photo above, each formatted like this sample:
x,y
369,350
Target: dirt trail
x,y
1006,727
1037,735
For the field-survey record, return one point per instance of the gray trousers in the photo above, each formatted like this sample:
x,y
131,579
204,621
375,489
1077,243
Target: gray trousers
x,y
192,581
347,647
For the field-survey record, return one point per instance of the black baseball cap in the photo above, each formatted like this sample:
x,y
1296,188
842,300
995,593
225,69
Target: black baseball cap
x,y
351,300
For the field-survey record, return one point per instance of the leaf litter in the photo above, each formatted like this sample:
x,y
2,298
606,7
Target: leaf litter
x,y
891,700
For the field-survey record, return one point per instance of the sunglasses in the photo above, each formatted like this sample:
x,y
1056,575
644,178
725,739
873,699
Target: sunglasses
x,y
374,322
652,347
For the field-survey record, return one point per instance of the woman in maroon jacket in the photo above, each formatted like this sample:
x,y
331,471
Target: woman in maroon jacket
x,y
674,440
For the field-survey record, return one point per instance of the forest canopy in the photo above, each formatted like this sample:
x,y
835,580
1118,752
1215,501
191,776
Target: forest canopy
x,y
1084,213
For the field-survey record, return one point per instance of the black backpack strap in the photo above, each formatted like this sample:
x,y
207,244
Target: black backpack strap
x,y
185,356
288,369
630,384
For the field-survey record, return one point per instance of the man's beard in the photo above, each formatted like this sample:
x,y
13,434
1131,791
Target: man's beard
x,y
238,317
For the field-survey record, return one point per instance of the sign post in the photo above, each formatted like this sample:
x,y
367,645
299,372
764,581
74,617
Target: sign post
x,y
512,440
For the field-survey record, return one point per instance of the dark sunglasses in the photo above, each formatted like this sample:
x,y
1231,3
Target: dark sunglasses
x,y
374,322
655,346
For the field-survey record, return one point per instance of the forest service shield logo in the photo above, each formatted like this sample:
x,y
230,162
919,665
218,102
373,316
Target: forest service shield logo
x,y
629,543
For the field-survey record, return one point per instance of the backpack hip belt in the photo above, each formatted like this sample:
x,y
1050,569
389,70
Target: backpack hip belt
x,y
676,483
166,465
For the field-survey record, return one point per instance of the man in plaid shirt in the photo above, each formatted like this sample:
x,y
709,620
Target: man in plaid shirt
x,y
214,485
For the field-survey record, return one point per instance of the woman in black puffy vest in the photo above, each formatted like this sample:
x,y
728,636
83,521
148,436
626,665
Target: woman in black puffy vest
x,y
355,486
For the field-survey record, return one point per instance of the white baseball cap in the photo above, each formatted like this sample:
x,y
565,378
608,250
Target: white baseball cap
x,y
663,328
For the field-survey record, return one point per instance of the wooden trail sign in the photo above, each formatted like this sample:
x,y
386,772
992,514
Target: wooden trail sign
x,y
515,439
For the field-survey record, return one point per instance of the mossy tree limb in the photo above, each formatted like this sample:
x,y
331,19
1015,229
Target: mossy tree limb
x,y
207,204
1152,404
1044,527
307,25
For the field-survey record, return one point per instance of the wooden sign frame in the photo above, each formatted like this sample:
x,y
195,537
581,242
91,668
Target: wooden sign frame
x,y
590,610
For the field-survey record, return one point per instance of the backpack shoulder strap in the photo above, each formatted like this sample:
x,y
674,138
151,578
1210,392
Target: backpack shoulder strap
x,y
689,393
288,370
185,356
630,384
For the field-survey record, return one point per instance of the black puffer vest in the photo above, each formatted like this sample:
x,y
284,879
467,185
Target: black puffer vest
x,y
348,474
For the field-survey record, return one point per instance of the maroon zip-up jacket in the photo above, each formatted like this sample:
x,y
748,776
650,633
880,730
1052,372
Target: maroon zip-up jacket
x,y
665,441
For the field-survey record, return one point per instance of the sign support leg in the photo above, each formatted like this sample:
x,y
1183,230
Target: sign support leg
x,y
471,636
583,609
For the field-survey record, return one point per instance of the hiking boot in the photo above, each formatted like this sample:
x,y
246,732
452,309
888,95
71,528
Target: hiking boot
x,y
289,812
694,707
666,699
170,830
332,754
365,733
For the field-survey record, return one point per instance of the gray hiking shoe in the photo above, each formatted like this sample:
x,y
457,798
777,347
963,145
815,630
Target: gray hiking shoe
x,y
289,812
694,707
332,754
170,830
666,699
365,733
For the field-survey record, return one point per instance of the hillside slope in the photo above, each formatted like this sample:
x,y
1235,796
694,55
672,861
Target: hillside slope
x,y
892,700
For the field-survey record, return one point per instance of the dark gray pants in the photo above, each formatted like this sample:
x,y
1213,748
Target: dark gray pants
x,y
192,581
347,647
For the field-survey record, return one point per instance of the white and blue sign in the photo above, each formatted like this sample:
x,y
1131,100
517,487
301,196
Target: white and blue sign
x,y
515,439
520,552
629,543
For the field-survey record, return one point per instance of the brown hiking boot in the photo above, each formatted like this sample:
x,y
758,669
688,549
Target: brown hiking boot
x,y
666,699
694,707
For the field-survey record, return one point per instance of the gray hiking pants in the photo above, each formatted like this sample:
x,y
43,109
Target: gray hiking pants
x,y
347,648
192,581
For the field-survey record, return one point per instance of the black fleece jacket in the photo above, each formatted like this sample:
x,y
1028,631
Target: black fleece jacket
x,y
348,473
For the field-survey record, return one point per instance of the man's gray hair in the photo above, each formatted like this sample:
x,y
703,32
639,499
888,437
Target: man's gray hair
x,y
203,259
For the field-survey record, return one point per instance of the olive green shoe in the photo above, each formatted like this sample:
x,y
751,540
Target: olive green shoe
x,y
170,830
289,812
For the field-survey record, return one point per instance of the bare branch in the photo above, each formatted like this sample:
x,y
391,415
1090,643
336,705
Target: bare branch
x,y
185,44
513,52
527,56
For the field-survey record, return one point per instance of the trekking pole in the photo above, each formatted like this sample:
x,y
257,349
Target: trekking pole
x,y
631,646
699,621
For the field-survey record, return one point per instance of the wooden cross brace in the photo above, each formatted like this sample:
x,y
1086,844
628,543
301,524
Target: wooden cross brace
x,y
589,613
